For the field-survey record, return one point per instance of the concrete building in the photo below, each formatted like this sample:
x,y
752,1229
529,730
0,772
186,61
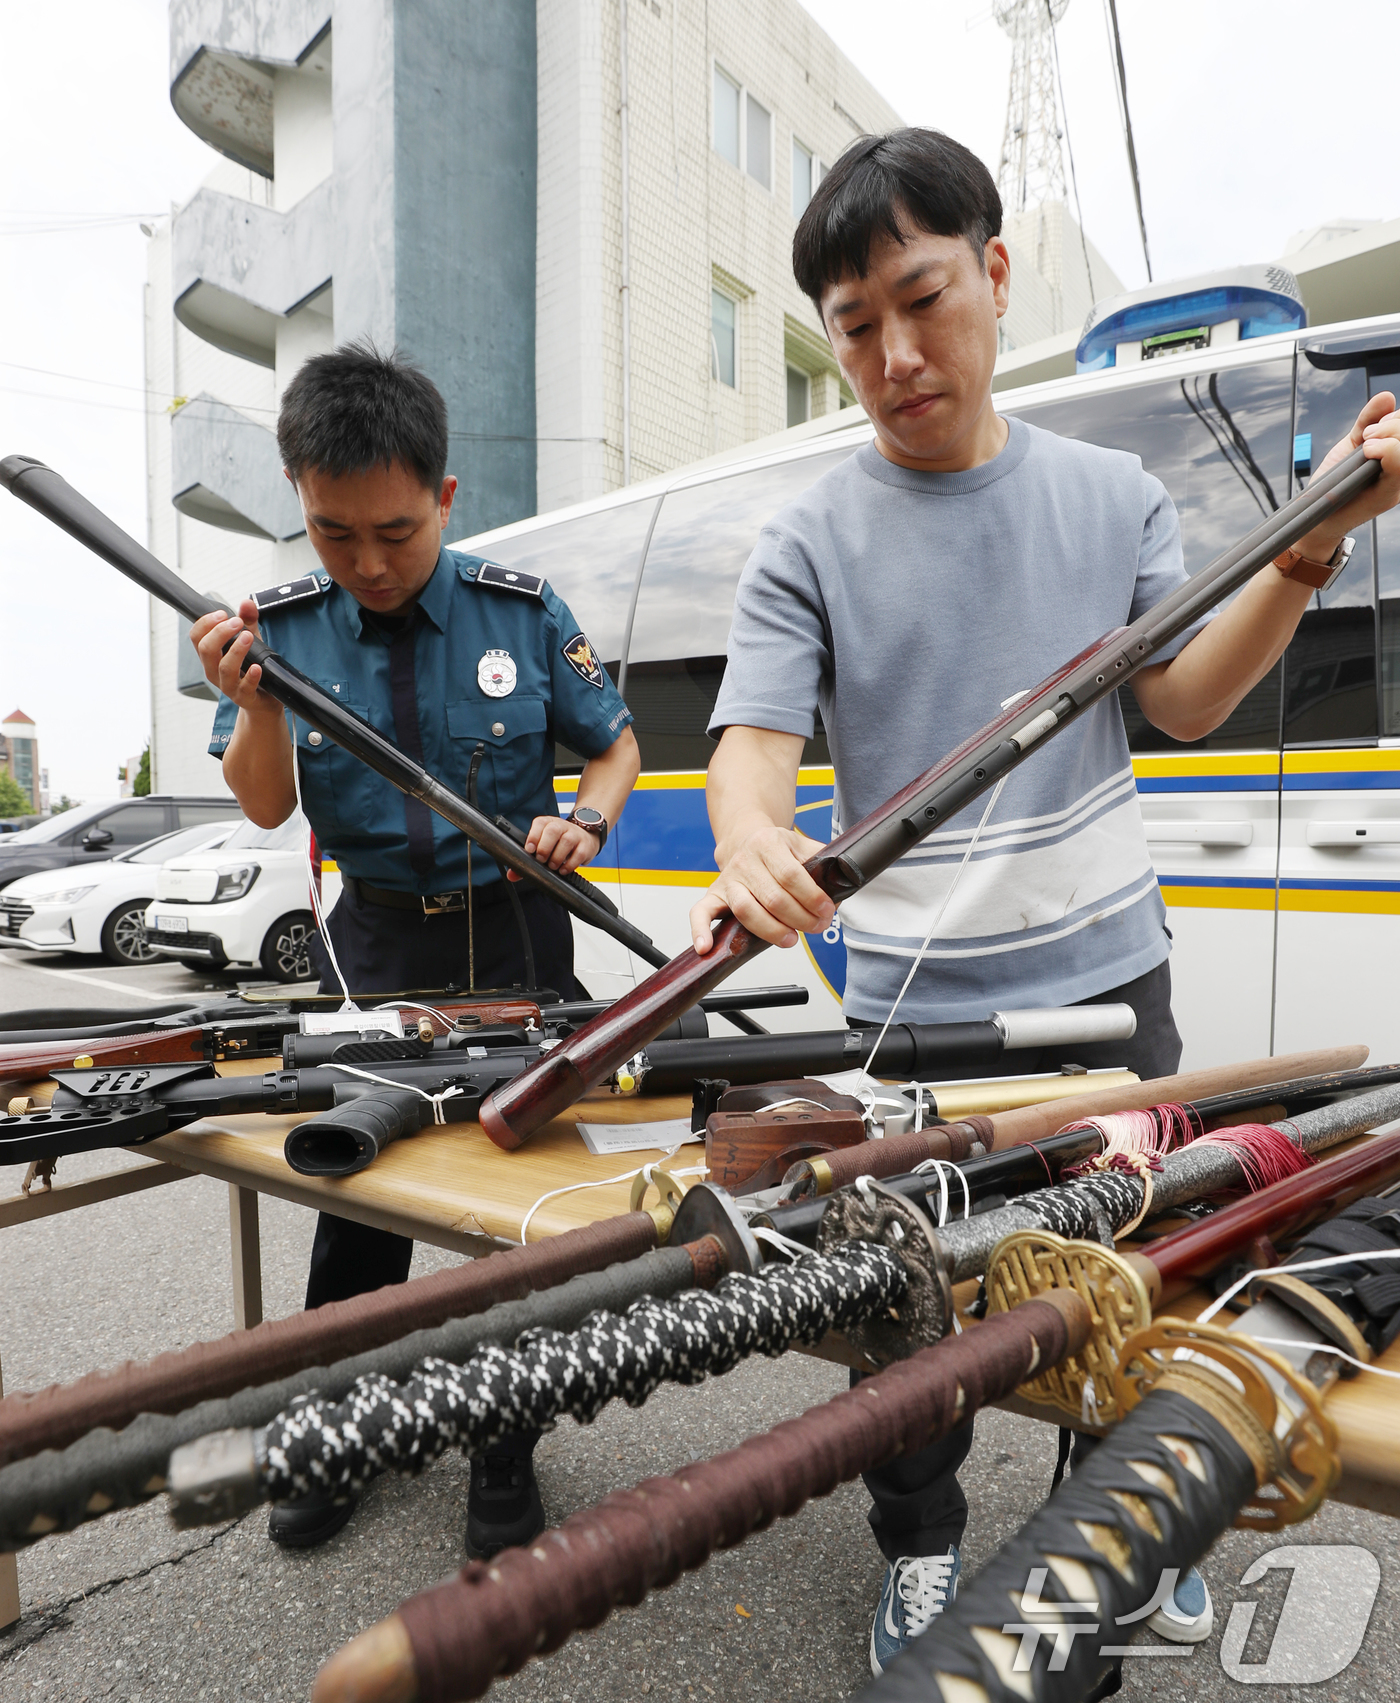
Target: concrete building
x,y
19,758
577,215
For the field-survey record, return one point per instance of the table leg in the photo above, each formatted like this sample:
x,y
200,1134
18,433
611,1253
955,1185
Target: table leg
x,y
247,1256
9,1577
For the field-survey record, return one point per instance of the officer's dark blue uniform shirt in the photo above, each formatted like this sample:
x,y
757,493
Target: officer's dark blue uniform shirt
x,y
499,663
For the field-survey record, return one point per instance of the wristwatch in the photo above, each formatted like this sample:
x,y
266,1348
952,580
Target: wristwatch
x,y
1294,565
592,822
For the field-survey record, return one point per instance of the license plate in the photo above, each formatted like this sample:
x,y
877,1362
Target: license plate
x,y
172,925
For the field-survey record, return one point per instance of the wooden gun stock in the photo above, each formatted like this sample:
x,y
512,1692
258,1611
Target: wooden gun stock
x,y
31,1063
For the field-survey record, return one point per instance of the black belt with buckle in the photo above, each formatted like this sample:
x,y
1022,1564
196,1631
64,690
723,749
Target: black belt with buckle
x,y
426,904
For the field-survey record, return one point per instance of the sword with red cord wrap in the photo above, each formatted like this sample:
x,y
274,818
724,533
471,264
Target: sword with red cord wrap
x,y
856,857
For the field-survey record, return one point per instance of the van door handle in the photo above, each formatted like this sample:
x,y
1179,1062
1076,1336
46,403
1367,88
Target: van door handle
x,y
1201,833
1353,833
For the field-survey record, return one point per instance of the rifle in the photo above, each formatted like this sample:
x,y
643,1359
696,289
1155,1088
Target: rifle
x,y
43,489
852,860
128,1106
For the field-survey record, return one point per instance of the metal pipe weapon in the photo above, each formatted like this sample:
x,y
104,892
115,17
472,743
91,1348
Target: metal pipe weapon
x,y
48,492
856,857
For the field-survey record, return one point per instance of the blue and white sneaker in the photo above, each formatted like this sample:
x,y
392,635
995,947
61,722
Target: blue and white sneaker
x,y
1187,1617
917,1589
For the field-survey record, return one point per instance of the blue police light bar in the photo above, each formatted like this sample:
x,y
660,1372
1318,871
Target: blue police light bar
x,y
1196,313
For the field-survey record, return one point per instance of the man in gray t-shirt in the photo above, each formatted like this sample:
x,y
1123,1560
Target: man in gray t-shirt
x,y
940,571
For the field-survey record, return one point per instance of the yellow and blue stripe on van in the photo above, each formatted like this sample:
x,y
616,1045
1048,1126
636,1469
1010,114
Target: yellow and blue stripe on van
x,y
664,839
1366,770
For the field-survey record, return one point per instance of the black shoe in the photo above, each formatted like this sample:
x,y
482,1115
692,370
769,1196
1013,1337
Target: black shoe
x,y
503,1505
308,1520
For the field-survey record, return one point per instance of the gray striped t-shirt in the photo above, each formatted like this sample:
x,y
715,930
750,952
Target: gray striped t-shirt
x,y
908,607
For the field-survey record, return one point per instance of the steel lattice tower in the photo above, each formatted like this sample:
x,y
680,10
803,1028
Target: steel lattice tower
x,y
1032,168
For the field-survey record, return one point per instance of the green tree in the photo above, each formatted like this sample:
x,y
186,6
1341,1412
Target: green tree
x,y
64,803
14,800
142,785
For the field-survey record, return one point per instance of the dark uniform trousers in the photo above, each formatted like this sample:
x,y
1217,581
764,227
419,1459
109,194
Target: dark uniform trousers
x,y
391,951
918,1505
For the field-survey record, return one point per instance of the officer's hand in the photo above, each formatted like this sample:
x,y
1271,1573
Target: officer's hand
x,y
210,634
1377,429
561,845
765,886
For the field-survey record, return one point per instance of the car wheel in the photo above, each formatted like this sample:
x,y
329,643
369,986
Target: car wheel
x,y
124,935
286,950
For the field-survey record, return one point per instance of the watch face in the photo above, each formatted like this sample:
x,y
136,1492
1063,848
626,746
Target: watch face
x,y
587,818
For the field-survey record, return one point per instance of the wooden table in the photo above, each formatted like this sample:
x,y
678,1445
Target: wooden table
x,y
453,1188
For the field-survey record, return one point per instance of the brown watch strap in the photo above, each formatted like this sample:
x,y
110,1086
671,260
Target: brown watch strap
x,y
1294,565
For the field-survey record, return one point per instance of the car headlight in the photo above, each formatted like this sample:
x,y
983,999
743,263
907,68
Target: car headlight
x,y
234,880
64,896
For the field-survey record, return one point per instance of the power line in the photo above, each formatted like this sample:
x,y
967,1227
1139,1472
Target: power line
x,y
1069,145
1121,85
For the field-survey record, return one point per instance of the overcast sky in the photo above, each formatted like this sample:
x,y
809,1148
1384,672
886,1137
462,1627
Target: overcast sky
x,y
1252,120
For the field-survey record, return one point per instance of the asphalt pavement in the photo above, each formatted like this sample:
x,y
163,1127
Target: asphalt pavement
x,y
130,1609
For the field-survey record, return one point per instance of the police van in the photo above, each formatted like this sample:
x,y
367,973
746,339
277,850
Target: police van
x,y
1276,839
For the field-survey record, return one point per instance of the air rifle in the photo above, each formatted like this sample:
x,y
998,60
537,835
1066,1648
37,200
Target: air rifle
x,y
852,860
48,492
126,1106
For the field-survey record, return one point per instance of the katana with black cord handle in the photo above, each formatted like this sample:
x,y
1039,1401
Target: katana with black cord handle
x,y
856,857
449,1643
1219,1430
54,498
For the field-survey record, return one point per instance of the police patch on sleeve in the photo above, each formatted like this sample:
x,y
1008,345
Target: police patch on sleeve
x,y
578,653
495,674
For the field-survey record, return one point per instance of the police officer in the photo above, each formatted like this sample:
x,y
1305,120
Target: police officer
x,y
473,670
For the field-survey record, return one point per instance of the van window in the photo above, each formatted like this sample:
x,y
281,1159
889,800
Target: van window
x,y
1220,442
1330,690
591,560
704,535
131,824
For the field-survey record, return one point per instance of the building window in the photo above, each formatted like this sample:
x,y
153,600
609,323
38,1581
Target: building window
x,y
807,173
743,129
799,397
723,314
726,118
758,153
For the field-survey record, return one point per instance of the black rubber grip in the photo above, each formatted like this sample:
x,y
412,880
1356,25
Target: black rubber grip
x,y
993,1601
343,1141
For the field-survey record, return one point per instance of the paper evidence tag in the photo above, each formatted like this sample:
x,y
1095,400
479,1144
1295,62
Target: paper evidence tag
x,y
352,1022
635,1138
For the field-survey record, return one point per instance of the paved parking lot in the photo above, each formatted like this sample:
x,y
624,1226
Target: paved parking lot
x,y
130,1609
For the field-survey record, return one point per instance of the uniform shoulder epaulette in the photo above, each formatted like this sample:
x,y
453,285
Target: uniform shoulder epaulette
x,y
301,590
497,578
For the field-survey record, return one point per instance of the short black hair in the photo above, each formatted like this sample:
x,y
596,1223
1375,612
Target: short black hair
x,y
880,187
356,406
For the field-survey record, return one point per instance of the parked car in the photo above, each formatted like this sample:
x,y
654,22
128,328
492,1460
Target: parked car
x,y
1276,839
246,905
90,832
100,907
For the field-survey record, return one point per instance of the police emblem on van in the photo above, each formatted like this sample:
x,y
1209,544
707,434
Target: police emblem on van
x,y
578,653
495,674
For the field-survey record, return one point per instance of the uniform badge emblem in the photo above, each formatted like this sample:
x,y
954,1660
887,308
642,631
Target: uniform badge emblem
x,y
495,674
578,653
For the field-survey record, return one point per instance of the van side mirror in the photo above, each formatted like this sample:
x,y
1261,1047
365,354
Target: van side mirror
x,y
96,838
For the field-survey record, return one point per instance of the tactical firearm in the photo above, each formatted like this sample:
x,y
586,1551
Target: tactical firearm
x,y
856,857
128,1106
48,492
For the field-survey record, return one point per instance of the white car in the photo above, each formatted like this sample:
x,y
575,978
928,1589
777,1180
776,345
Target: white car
x,y
246,905
97,907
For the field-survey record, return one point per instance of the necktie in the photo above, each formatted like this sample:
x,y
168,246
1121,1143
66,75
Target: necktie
x,y
403,689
